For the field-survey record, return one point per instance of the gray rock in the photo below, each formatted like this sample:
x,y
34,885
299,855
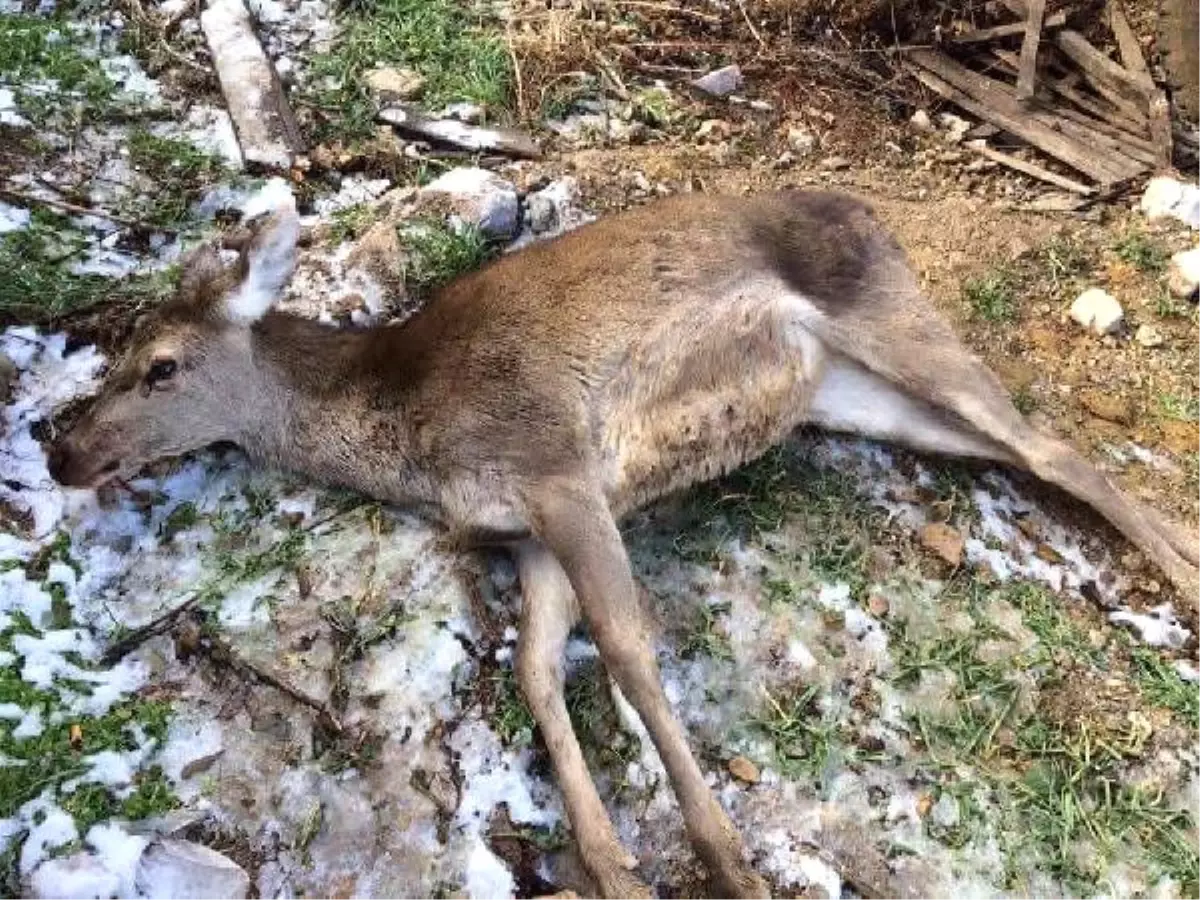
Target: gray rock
x,y
802,141
171,868
720,82
471,113
415,124
835,163
945,812
477,197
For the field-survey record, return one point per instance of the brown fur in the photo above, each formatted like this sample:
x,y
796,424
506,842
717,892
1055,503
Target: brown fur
x,y
537,400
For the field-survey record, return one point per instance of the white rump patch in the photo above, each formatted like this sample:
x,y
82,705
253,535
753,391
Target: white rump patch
x,y
272,254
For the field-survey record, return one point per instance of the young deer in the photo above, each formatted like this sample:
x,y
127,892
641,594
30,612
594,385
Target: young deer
x,y
535,402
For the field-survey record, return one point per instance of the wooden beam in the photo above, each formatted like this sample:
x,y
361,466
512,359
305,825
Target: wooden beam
x,y
1028,168
1101,70
1027,70
992,101
1127,42
1054,20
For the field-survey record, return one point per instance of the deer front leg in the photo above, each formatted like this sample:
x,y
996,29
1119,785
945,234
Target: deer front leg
x,y
548,612
574,521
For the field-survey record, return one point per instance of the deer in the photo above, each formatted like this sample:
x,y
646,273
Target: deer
x,y
532,404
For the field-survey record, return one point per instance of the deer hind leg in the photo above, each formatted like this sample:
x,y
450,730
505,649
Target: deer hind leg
x,y
575,522
955,405
548,613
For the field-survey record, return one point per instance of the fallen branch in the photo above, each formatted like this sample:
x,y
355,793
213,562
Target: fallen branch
x,y
672,10
1055,20
130,642
74,209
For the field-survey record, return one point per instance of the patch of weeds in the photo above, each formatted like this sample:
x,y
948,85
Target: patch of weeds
x,y
309,829
1065,259
439,253
1162,685
1043,614
1180,407
970,819
1024,401
707,636
38,288
653,106
41,59
1141,251
992,297
1167,307
349,223
446,41
802,740
606,745
511,719
180,170
181,518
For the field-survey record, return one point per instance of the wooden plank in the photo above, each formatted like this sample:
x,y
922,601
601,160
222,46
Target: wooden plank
x,y
1034,171
930,68
994,101
1101,70
1054,20
1127,42
1160,128
1027,70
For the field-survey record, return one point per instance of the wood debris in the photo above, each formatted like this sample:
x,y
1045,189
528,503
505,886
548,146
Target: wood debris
x,y
1103,118
474,138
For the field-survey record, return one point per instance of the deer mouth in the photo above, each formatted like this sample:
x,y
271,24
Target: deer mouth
x,y
71,470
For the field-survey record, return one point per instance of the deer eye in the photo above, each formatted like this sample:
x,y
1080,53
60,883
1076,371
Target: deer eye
x,y
160,370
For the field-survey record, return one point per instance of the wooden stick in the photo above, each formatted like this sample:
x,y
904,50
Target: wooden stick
x,y
1054,20
994,101
1027,70
1127,42
1102,71
1035,171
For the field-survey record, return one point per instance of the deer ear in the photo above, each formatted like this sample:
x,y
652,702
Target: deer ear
x,y
267,261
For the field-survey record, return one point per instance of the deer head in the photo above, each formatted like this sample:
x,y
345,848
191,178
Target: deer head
x,y
189,379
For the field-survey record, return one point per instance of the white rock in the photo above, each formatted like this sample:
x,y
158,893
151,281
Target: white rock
x,y
1183,274
945,812
1097,310
1149,336
720,82
801,140
477,197
471,113
1169,198
172,869
956,127
920,120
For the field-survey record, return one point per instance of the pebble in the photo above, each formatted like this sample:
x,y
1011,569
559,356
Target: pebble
x,y
878,605
920,120
744,770
1097,310
720,82
945,812
1108,407
944,540
1183,273
801,141
389,84
835,163
1149,336
713,129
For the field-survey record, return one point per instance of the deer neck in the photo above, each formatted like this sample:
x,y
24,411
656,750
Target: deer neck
x,y
327,408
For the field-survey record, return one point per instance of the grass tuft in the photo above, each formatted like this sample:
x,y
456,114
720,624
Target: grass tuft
x,y
992,297
181,172
1141,251
439,253
452,47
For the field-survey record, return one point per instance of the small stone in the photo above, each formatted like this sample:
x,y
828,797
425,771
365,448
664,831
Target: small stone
x,y
1046,553
713,130
1108,407
1097,310
761,105
801,140
878,605
390,85
1149,336
470,113
924,805
920,120
835,163
1183,273
173,868
720,82
743,770
956,128
944,540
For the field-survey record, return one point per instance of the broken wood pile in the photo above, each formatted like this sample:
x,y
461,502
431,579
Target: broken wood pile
x,y
1106,120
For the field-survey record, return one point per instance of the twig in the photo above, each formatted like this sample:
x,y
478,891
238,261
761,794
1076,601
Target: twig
x,y
750,25
522,112
668,8
164,623
76,210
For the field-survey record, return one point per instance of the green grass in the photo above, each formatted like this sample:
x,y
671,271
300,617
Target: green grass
x,y
38,289
348,224
992,297
52,80
181,173
439,253
460,56
1143,252
510,717
1162,686
1179,407
1024,401
803,741
707,637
